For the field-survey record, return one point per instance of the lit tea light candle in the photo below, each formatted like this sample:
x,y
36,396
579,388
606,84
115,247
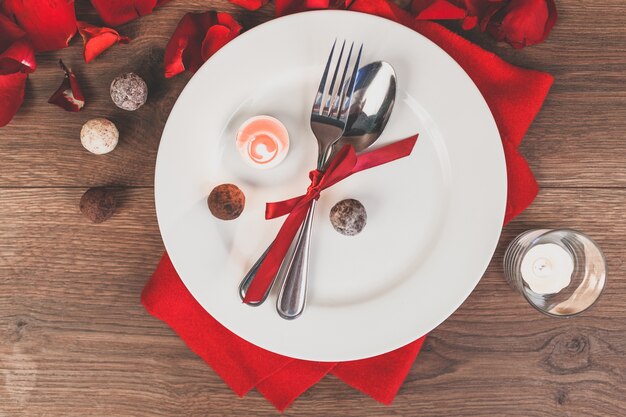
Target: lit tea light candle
x,y
547,268
263,142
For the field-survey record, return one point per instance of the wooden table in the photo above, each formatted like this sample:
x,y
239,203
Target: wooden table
x,y
75,341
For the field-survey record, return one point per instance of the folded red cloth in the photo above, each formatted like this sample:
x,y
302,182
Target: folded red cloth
x,y
514,96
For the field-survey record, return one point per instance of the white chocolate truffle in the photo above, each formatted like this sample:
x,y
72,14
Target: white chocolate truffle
x,y
99,136
129,91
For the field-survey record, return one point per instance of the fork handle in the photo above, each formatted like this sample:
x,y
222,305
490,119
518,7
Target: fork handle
x,y
292,296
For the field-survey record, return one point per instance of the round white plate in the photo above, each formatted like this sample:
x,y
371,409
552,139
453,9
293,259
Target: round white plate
x,y
434,218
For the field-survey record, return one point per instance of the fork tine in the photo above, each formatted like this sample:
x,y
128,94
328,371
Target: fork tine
x,y
343,109
331,95
320,91
334,110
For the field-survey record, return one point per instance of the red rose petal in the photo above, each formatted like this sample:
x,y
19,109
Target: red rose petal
x,y
479,12
19,57
183,51
9,32
437,10
196,38
97,39
49,24
69,95
470,22
16,51
552,16
220,34
250,4
524,22
117,12
383,8
285,7
11,95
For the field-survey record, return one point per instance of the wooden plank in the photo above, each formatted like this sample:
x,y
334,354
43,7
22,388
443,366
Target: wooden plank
x,y
576,141
74,340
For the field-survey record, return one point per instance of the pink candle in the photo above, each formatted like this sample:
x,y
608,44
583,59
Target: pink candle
x,y
263,142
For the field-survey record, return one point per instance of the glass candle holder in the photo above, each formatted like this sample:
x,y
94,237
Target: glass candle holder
x,y
560,272
263,142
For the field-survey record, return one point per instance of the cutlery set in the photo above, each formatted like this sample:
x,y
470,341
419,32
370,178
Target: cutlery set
x,y
339,117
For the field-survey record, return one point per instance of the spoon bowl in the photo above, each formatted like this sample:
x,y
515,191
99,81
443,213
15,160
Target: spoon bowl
x,y
372,103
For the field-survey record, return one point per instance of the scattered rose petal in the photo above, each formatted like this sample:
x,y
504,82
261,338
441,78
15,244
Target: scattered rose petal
x,y
219,34
285,7
49,24
383,8
196,38
524,22
97,39
11,95
69,95
437,10
470,22
16,51
479,12
116,12
250,4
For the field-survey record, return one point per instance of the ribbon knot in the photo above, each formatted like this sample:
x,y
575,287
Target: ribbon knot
x,y
314,190
344,163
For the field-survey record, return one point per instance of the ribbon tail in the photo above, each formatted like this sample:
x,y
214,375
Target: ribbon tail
x,y
281,208
270,266
387,153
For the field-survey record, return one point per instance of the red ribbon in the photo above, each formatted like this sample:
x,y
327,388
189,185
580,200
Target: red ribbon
x,y
345,163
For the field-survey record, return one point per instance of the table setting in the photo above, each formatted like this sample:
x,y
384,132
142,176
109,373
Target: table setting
x,y
331,187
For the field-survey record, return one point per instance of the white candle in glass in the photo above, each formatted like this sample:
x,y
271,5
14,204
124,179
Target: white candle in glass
x,y
547,268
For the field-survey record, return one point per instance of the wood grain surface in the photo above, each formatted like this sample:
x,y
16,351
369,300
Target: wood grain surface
x,y
75,341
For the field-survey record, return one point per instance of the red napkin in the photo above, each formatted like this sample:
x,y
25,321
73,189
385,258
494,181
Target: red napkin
x,y
514,96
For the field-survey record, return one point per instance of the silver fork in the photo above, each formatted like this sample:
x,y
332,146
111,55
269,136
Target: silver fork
x,y
328,122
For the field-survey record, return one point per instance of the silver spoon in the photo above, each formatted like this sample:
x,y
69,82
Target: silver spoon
x,y
371,107
373,100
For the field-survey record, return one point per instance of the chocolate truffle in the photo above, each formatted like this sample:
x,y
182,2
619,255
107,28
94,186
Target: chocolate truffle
x,y
99,136
226,201
98,204
129,91
348,217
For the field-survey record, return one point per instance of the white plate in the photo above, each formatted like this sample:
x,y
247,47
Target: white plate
x,y
434,218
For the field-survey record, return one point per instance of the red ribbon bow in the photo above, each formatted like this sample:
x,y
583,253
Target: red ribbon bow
x,y
345,163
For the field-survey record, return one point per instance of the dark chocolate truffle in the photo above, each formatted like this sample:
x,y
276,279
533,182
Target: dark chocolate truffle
x,y
226,201
98,204
348,217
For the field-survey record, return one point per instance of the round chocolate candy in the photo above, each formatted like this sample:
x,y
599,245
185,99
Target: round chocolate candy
x,y
226,202
348,217
98,204
99,136
129,91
